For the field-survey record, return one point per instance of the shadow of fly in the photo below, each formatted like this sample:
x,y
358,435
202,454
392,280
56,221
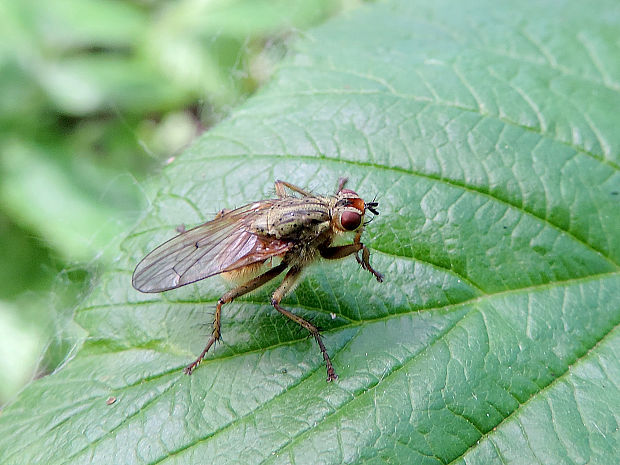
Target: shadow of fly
x,y
241,243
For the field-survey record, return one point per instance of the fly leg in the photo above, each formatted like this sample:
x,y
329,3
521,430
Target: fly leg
x,y
287,285
365,260
334,253
227,298
281,193
341,183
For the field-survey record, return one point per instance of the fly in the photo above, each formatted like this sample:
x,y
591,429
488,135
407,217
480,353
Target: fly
x,y
298,230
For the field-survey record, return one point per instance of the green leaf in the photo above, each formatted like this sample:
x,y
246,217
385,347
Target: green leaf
x,y
41,196
488,132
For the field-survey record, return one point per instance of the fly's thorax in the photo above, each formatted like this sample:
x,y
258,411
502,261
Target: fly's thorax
x,y
294,218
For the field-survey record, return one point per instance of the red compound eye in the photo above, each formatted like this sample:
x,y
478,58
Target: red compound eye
x,y
350,220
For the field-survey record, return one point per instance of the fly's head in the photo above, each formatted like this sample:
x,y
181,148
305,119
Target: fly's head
x,y
349,210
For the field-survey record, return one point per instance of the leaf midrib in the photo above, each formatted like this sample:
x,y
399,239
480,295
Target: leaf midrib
x,y
452,183
356,324
439,337
371,388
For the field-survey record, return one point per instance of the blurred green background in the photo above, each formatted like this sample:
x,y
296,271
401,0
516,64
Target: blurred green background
x,y
94,96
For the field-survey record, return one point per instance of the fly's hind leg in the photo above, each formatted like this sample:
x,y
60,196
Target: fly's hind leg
x,y
287,285
281,192
227,298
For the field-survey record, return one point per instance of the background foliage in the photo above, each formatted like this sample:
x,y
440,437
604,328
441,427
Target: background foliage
x,y
94,95
489,133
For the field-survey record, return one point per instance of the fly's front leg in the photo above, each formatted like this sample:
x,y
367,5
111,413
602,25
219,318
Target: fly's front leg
x,y
337,252
287,285
281,192
365,260
227,298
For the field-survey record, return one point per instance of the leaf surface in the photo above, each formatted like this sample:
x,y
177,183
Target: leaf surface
x,y
489,134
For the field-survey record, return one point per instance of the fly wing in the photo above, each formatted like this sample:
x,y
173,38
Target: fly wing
x,y
220,245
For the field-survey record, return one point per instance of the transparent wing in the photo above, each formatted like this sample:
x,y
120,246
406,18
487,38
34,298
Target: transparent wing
x,y
220,245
